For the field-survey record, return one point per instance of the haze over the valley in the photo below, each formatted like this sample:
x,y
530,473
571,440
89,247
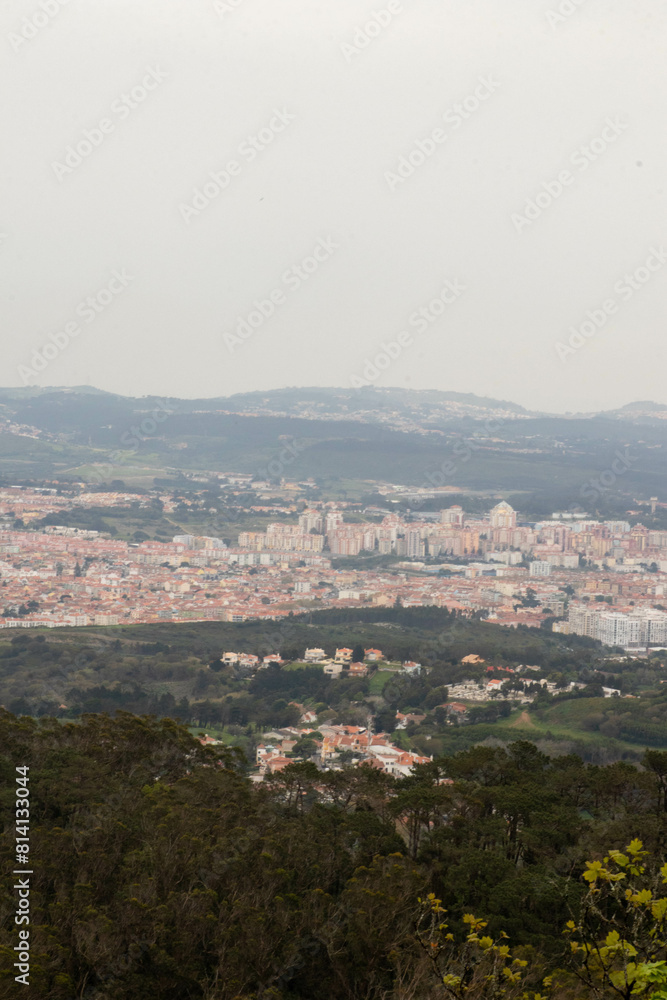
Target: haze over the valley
x,y
223,197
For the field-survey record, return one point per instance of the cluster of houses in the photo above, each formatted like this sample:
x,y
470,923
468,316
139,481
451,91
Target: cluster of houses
x,y
342,661
250,662
359,745
341,664
370,749
524,692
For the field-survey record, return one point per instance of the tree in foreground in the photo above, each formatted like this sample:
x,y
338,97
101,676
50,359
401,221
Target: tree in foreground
x,y
620,939
479,967
618,942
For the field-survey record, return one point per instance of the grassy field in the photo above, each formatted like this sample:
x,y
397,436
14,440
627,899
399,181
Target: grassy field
x,y
560,722
379,679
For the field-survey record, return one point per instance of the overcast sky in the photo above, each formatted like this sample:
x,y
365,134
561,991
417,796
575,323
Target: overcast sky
x,y
318,118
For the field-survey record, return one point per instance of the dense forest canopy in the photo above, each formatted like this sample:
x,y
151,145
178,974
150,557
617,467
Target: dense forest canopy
x,y
162,871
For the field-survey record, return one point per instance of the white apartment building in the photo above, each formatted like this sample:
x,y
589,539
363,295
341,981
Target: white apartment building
x,y
616,629
540,567
644,628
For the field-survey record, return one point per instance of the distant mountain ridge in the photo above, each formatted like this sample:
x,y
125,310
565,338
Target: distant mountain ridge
x,y
369,435
319,402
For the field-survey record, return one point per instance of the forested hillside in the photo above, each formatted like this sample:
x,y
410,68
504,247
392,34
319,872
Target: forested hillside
x,y
160,871
175,670
376,435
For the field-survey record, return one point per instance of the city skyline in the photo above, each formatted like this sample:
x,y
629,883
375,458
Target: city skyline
x,y
513,572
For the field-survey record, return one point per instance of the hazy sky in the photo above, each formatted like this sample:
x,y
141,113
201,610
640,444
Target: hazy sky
x,y
374,159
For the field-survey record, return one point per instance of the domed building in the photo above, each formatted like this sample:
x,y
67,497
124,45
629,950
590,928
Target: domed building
x,y
503,516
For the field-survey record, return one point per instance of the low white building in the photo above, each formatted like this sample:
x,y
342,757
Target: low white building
x,y
314,655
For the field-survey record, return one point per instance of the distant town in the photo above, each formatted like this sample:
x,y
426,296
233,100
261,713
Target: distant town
x,y
569,573
334,746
